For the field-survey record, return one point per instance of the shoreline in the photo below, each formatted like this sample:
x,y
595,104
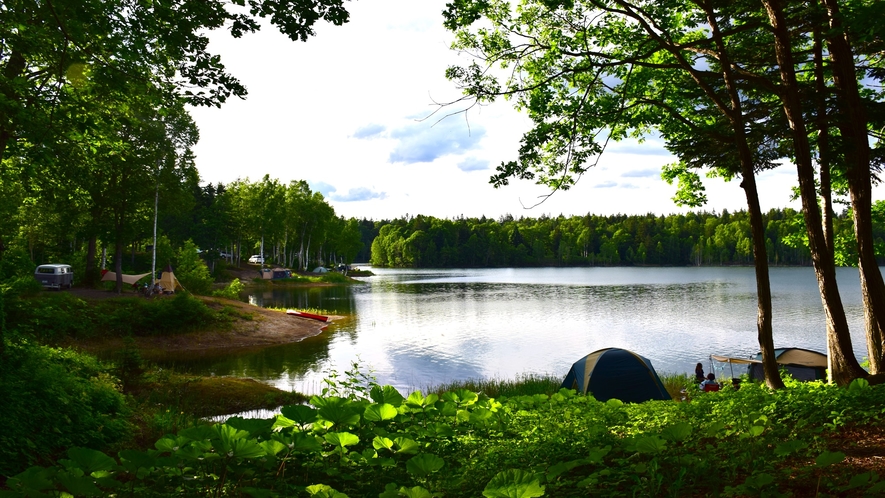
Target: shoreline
x,y
252,328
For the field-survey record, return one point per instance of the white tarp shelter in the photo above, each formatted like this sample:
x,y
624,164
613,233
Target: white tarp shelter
x,y
802,364
129,279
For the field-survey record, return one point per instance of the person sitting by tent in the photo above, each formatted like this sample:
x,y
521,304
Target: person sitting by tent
x,y
710,383
699,373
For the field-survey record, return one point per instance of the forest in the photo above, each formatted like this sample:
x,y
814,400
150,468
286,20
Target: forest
x,y
695,238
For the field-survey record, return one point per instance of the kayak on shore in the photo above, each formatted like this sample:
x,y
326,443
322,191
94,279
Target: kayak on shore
x,y
304,314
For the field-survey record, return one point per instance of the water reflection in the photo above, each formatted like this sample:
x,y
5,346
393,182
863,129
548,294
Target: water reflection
x,y
419,328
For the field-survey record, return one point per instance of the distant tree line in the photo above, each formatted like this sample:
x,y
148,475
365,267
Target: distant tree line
x,y
697,239
288,223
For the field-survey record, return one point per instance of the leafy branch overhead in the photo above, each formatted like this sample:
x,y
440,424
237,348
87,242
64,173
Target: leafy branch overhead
x,y
50,51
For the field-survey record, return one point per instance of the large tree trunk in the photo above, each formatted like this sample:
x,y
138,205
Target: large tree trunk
x,y
91,248
763,284
853,127
118,264
843,365
15,67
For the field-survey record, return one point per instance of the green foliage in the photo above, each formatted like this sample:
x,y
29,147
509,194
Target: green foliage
x,y
16,263
191,271
231,291
47,316
698,238
362,439
335,278
55,399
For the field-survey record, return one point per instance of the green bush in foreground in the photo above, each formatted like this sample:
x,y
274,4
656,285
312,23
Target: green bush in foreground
x,y
54,399
372,441
54,316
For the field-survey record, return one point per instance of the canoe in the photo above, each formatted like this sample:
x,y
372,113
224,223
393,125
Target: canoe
x,y
304,314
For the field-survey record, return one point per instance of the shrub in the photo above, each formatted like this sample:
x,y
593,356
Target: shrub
x,y
192,271
232,291
334,278
54,399
15,262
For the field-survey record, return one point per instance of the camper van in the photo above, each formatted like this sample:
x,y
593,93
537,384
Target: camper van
x,y
55,276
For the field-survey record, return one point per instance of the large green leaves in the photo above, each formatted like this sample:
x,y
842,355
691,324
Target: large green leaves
x,y
380,412
424,464
514,484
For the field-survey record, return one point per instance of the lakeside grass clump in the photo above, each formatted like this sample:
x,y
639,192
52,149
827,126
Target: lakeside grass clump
x,y
527,384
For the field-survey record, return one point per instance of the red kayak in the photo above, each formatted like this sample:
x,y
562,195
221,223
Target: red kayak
x,y
305,314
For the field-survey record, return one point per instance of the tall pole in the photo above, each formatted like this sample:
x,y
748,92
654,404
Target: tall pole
x,y
154,247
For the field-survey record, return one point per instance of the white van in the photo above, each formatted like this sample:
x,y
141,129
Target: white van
x,y
55,276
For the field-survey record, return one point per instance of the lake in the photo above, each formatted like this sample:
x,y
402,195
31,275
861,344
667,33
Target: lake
x,y
416,328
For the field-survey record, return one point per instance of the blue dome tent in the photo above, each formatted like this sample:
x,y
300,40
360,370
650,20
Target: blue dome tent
x,y
616,373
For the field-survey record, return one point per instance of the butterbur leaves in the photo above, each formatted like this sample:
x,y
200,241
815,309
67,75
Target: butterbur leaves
x,y
198,433
858,384
306,443
417,401
254,426
137,462
558,469
677,432
399,445
341,439
380,412
386,394
514,484
78,484
324,491
382,443
423,465
90,461
34,478
651,444
272,447
340,416
302,415
406,445
391,491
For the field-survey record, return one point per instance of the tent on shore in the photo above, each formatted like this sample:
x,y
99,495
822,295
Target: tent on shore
x,y
616,373
801,364
110,276
168,281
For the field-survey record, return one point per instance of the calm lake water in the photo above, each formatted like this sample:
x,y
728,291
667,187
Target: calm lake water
x,y
416,328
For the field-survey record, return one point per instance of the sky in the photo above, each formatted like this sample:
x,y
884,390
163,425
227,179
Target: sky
x,y
351,111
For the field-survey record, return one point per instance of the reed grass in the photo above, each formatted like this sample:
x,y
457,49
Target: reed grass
x,y
531,384
676,383
524,384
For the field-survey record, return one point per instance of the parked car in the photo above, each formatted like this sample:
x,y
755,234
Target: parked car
x,y
256,259
55,276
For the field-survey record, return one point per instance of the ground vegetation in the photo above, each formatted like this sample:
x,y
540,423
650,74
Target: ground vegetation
x,y
361,439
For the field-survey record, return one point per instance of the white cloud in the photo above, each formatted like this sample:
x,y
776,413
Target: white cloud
x,y
369,131
643,173
321,187
473,164
359,194
426,141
